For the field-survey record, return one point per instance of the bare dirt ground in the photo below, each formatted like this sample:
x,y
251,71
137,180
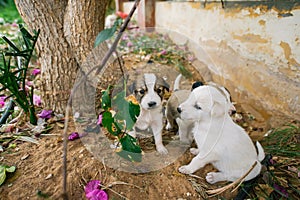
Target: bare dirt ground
x,y
39,170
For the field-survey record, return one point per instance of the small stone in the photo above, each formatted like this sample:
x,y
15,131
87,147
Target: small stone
x,y
48,177
25,157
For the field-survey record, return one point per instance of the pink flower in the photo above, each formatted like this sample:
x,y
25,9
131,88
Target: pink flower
x,y
125,37
99,122
129,44
2,101
37,100
14,24
93,191
163,52
35,72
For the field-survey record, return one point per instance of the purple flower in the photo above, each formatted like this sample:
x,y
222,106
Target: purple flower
x,y
45,114
281,190
97,195
99,122
129,44
125,37
163,52
93,192
35,72
75,135
37,100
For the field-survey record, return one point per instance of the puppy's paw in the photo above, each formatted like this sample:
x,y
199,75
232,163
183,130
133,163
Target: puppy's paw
x,y
162,150
211,177
194,151
185,169
168,126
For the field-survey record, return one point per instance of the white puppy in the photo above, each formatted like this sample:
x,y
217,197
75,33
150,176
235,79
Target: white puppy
x,y
178,97
149,91
220,141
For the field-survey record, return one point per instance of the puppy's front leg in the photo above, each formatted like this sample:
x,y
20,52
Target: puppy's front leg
x,y
157,127
198,162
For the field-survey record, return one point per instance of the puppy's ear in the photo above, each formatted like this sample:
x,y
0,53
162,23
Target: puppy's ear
x,y
132,87
161,82
197,84
218,109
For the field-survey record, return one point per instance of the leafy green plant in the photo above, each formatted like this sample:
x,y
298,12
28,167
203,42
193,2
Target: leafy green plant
x,y
3,170
118,118
13,77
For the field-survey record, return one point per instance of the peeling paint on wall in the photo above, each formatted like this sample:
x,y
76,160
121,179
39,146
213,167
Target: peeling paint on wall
x,y
254,48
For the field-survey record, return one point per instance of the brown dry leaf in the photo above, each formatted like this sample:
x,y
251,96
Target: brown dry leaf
x,y
263,190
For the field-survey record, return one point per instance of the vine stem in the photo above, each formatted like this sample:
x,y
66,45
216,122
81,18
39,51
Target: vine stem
x,y
82,80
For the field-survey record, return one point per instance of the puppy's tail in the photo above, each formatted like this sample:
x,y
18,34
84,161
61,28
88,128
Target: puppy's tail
x,y
261,153
176,82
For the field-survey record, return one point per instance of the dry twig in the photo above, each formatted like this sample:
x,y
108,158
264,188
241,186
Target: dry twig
x,y
231,185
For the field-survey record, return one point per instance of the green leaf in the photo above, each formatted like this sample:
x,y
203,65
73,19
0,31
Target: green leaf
x,y
11,169
126,110
105,99
3,170
11,44
130,150
104,35
129,143
2,174
25,33
108,123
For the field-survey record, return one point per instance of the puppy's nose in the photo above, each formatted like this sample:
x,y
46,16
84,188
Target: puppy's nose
x,y
179,109
151,104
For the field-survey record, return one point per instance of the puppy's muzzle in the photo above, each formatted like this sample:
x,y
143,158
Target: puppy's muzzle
x,y
152,104
179,109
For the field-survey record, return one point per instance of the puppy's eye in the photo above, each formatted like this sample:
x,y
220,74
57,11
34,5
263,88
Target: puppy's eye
x,y
158,90
141,91
197,107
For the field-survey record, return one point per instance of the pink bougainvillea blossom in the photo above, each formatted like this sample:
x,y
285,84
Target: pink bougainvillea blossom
x,y
35,72
163,52
45,114
129,44
37,100
100,117
2,101
93,191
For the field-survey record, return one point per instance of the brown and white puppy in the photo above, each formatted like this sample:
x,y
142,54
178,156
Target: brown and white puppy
x,y
179,96
172,115
149,91
220,141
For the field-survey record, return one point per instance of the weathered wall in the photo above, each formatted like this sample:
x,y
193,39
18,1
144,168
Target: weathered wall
x,y
251,47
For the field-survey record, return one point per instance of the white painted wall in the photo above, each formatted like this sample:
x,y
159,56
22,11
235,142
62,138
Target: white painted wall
x,y
255,52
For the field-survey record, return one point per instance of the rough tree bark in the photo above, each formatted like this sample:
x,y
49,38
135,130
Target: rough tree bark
x,y
68,31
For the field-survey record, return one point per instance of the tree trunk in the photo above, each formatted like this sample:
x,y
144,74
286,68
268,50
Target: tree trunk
x,y
68,31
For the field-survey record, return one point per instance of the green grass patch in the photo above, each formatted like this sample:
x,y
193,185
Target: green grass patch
x,y
9,12
284,141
